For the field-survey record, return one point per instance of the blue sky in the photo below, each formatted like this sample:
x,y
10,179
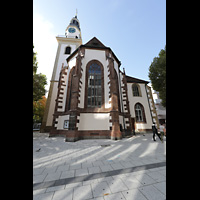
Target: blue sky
x,y
135,30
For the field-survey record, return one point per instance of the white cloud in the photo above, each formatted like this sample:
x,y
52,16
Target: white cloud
x,y
45,44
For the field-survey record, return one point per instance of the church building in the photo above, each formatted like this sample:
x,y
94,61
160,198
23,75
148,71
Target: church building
x,y
90,96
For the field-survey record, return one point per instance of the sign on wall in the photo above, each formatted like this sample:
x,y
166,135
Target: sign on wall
x,y
66,124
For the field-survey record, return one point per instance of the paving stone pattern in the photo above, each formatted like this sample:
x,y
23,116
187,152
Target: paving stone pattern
x,y
132,168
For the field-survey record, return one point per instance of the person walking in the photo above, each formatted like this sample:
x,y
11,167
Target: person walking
x,y
162,131
155,132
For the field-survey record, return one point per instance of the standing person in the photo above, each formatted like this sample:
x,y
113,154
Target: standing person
x,y
134,131
155,132
133,126
162,131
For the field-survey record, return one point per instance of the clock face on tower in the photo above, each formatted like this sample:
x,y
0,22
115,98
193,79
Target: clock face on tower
x,y
72,30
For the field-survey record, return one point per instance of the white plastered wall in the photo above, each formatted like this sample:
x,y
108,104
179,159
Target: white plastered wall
x,y
63,57
60,58
60,120
144,101
64,95
121,121
94,121
52,105
90,121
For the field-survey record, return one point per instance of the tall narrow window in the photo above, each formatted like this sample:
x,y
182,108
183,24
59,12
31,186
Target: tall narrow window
x,y
67,50
94,86
135,90
139,113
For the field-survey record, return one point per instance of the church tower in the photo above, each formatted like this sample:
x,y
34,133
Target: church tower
x,y
66,46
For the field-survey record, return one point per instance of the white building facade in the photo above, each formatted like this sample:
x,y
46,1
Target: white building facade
x,y
91,97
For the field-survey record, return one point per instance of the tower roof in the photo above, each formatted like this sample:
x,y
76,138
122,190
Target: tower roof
x,y
75,22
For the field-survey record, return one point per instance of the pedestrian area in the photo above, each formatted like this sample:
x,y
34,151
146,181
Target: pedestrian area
x,y
132,168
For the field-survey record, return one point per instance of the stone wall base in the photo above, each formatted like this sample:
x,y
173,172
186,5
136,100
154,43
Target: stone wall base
x,y
45,129
141,131
72,136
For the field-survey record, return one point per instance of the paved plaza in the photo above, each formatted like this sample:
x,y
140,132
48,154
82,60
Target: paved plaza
x,y
131,169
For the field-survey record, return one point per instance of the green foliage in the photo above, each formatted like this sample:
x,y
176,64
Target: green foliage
x,y
39,100
35,63
38,109
157,75
39,81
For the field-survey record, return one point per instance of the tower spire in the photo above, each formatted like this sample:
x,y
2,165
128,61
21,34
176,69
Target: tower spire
x,y
76,12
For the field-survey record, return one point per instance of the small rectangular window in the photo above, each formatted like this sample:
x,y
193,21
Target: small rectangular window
x,y
135,90
67,50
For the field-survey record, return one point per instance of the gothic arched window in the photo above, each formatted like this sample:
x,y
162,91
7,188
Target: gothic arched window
x,y
94,85
139,113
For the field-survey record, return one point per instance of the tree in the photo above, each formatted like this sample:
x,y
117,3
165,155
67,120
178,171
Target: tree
x,y
35,63
39,80
157,75
39,100
38,109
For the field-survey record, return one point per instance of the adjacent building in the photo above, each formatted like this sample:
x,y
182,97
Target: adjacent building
x,y
161,111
